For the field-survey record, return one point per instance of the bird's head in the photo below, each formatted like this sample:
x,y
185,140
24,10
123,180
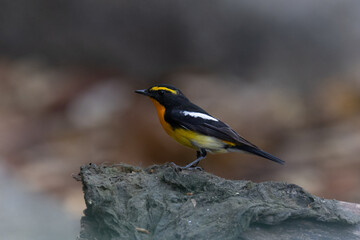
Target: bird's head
x,y
163,94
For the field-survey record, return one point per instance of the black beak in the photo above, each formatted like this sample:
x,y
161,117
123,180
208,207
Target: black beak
x,y
143,92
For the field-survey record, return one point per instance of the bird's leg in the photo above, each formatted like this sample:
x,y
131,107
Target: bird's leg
x,y
201,154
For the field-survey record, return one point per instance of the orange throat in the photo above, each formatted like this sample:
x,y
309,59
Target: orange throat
x,y
189,138
160,109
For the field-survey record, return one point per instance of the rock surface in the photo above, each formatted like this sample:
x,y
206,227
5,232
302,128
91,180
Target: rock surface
x,y
126,202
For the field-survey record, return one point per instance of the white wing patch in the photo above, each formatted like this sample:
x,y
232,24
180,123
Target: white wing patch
x,y
199,115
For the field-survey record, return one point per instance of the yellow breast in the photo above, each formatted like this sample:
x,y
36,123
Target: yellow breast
x,y
196,140
190,138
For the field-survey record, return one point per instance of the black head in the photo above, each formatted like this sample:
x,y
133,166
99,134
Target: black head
x,y
163,93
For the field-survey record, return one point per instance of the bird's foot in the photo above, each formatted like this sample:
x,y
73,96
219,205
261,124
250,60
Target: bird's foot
x,y
187,167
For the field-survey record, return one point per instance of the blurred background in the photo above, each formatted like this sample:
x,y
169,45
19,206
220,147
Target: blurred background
x,y
283,74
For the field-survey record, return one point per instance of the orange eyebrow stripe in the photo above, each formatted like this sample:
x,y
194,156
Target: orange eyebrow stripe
x,y
165,89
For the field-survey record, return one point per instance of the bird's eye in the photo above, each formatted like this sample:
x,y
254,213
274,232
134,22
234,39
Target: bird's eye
x,y
161,92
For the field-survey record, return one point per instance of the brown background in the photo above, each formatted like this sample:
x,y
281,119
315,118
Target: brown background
x,y
283,75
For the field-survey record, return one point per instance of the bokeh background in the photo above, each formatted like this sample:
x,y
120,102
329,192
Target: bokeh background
x,y
284,74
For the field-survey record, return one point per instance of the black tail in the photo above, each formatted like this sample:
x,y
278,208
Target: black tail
x,y
260,153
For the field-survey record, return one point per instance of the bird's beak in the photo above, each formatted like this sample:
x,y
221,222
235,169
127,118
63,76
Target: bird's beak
x,y
143,92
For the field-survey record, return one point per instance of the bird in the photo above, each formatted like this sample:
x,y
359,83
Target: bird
x,y
193,127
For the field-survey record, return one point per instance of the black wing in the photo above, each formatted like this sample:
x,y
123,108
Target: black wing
x,y
218,129
210,126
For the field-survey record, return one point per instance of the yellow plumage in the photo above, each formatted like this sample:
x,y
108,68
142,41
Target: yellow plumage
x,y
197,141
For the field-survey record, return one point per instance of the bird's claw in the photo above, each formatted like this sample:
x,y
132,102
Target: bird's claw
x,y
180,168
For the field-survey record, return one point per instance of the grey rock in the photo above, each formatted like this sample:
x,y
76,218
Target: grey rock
x,y
159,202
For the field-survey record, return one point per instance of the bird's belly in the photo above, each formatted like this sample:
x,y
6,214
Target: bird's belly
x,y
197,141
